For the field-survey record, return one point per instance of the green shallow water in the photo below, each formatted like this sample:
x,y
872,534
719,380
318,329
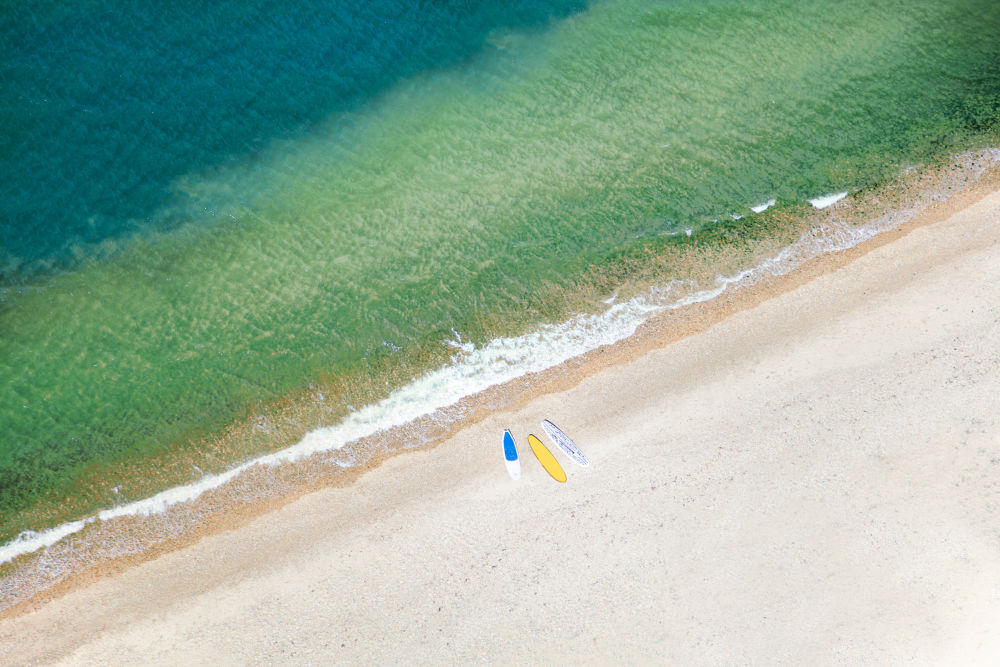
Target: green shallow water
x,y
465,198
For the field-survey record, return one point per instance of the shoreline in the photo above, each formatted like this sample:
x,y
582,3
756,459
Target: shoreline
x,y
278,427
798,479
661,331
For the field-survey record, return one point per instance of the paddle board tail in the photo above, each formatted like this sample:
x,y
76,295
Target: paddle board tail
x,y
564,443
510,456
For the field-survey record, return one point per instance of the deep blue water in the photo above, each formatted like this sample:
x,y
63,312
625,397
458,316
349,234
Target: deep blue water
x,y
104,104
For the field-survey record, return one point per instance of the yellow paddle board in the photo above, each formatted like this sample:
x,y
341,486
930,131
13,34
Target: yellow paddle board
x,y
545,457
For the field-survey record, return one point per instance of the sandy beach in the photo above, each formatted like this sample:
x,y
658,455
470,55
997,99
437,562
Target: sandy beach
x,y
813,480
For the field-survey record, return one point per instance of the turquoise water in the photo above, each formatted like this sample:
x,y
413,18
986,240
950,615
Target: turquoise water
x,y
208,211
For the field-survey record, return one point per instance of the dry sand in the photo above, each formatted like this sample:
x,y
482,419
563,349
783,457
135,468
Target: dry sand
x,y
815,480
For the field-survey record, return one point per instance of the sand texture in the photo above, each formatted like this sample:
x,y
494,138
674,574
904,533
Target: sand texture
x,y
815,480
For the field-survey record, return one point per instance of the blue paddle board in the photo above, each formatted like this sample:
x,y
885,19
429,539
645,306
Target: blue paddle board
x,y
510,456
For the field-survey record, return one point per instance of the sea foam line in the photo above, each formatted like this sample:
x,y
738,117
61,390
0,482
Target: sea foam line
x,y
818,203
827,200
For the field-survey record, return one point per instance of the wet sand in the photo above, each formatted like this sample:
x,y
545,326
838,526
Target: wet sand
x,y
814,480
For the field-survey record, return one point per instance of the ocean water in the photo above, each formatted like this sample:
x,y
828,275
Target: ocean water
x,y
228,230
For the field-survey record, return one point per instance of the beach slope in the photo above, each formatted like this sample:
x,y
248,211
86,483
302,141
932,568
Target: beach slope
x,y
815,480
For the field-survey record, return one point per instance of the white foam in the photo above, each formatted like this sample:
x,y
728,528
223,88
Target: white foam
x,y
760,208
30,540
827,200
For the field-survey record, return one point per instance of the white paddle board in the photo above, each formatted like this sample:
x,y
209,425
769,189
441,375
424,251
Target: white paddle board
x,y
564,443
